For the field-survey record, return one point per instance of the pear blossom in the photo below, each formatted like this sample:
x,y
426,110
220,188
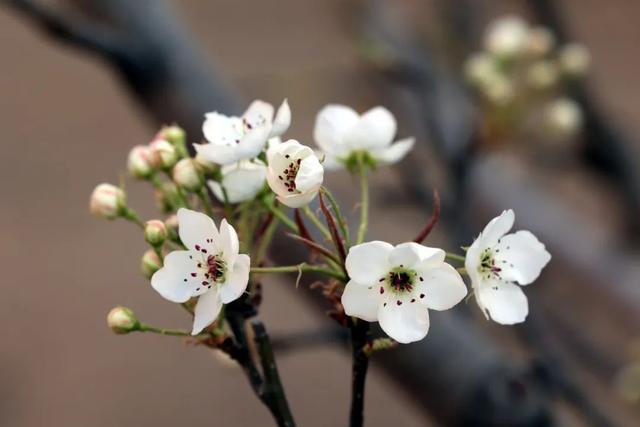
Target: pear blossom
x,y
163,154
185,173
507,36
108,201
211,268
231,138
241,181
396,286
498,262
294,173
139,162
340,132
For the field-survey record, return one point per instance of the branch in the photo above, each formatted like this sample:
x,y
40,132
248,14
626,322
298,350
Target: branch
x,y
359,367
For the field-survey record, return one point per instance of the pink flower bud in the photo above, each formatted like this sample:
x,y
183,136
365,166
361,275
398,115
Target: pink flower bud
x,y
155,232
139,162
163,154
121,320
150,263
187,176
107,201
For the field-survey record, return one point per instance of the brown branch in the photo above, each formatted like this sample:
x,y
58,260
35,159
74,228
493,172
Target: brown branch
x,y
432,221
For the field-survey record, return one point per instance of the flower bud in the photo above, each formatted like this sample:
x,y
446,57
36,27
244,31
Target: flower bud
x,y
205,165
107,201
171,223
150,263
186,175
163,154
168,197
121,320
563,118
540,41
155,232
479,68
575,60
507,37
542,75
174,134
139,162
499,90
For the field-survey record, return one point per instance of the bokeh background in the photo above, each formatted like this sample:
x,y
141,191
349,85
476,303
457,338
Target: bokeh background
x,y
69,118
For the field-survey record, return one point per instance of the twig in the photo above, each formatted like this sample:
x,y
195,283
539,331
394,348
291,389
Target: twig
x,y
331,223
432,221
359,367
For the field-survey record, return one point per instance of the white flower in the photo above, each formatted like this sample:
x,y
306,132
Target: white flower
x,y
241,181
507,36
294,173
497,262
563,118
210,269
232,138
341,132
397,285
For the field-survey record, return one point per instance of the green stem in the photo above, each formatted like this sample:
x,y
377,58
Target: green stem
x,y
130,215
462,270
161,331
316,221
265,240
455,257
364,200
342,223
228,209
281,216
206,202
304,267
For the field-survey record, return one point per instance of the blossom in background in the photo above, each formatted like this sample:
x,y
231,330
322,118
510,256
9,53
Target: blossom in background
x,y
397,285
507,36
241,181
294,173
341,133
211,268
498,262
231,138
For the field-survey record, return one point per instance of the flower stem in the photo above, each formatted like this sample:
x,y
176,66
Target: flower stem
x,y
265,240
364,200
342,223
360,365
455,257
281,216
299,268
206,201
161,331
130,215
316,221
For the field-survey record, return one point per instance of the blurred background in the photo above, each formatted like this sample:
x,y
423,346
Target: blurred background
x,y
83,81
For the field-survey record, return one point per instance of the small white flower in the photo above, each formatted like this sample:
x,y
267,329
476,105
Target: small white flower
x,y
507,36
397,285
563,118
241,181
211,268
341,132
233,138
497,262
294,173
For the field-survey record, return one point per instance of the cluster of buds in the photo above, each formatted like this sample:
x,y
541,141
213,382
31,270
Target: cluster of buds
x,y
521,76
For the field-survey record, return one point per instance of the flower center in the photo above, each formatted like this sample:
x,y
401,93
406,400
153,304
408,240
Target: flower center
x,y
487,267
216,268
211,270
288,175
401,281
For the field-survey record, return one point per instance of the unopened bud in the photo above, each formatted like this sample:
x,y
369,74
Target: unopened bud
x,y
575,60
542,74
107,201
139,162
479,68
205,165
540,41
499,90
168,197
121,320
186,175
507,37
563,118
155,232
171,224
175,135
163,154
150,263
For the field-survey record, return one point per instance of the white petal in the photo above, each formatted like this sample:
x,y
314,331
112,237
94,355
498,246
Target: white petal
x,y
237,280
497,227
368,262
410,254
521,257
503,301
258,113
310,175
330,162
253,142
228,242
242,181
405,323
395,152
195,229
220,129
170,282
220,154
375,129
442,286
282,121
333,123
299,200
207,310
361,301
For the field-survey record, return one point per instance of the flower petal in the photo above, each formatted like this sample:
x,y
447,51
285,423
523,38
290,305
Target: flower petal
x,y
361,301
220,154
220,129
299,200
253,142
174,281
333,123
375,129
504,302
197,231
259,113
395,152
405,322
237,280
521,256
368,262
207,310
229,244
242,181
310,175
442,286
497,227
410,254
282,121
